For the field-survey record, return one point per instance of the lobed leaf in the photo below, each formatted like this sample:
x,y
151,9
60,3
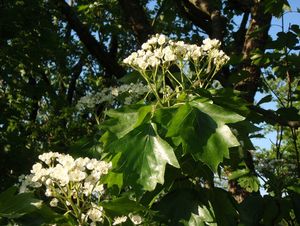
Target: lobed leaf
x,y
144,156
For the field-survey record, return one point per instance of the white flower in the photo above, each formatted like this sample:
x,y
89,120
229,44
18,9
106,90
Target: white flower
x,y
142,63
26,182
119,220
88,188
158,53
95,213
49,157
60,174
91,164
141,53
169,54
152,41
99,188
195,52
161,39
115,92
146,46
210,44
153,61
66,161
80,163
48,182
77,175
83,217
36,167
38,175
65,178
48,192
128,100
103,167
54,202
136,219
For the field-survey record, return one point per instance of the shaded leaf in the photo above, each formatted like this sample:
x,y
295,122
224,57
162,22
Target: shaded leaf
x,y
265,99
122,206
14,205
186,199
251,210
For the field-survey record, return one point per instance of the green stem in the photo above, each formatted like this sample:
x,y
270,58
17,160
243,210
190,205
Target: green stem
x,y
174,78
153,90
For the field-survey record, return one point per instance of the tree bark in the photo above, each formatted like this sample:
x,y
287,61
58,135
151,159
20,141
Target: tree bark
x,y
256,37
212,10
75,75
137,19
95,48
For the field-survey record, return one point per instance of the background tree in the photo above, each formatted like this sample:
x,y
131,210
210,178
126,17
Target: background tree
x,y
55,52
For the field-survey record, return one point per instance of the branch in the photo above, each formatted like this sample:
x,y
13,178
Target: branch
x,y
137,19
239,36
213,10
75,75
244,6
272,118
113,46
96,49
255,38
196,16
35,99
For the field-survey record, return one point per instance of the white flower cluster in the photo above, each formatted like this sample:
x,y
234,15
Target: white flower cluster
x,y
71,183
135,219
94,5
124,94
281,167
160,51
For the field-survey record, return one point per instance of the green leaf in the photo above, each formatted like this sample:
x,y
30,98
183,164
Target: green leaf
x,y
271,211
295,197
122,206
265,99
230,99
144,156
83,7
14,205
250,183
222,207
196,169
204,136
291,113
238,173
203,207
195,220
86,146
113,178
251,210
125,119
219,114
186,201
132,77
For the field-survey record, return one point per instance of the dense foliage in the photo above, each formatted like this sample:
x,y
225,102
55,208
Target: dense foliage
x,y
142,113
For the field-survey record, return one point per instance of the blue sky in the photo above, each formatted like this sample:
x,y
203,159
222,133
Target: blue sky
x,y
289,18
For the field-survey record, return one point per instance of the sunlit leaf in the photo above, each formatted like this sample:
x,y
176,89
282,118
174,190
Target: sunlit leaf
x,y
144,156
125,119
203,132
